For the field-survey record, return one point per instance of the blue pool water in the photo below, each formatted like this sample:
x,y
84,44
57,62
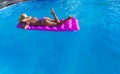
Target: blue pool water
x,y
94,49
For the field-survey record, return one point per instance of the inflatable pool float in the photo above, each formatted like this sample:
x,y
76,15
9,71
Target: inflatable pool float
x,y
70,25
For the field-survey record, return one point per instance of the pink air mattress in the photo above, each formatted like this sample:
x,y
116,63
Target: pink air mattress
x,y
70,25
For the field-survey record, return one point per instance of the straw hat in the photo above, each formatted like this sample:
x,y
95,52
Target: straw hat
x,y
24,18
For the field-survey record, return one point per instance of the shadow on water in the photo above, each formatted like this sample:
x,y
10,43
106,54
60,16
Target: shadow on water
x,y
4,3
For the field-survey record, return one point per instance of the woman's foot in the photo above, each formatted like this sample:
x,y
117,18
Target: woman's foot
x,y
55,16
70,17
52,11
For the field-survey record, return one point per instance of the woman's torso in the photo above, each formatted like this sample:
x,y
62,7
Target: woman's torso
x,y
35,22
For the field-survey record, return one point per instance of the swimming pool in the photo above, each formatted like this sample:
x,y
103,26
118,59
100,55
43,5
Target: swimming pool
x,y
94,49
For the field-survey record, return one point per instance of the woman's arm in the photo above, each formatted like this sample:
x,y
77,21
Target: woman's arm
x,y
26,25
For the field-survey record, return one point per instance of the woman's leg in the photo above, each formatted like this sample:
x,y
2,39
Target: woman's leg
x,y
53,23
55,16
50,23
47,18
65,20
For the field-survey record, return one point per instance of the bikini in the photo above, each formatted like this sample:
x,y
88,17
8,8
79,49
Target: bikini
x,y
42,21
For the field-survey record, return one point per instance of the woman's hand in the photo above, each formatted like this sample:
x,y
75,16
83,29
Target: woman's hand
x,y
26,25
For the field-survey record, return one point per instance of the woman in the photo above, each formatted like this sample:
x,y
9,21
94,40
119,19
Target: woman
x,y
25,20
